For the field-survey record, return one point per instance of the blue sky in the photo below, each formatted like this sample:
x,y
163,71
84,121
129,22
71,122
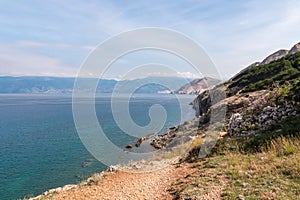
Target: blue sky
x,y
54,37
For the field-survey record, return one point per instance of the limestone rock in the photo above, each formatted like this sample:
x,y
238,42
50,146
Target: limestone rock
x,y
112,168
275,56
295,49
197,86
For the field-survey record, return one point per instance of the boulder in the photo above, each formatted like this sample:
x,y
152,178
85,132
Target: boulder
x,y
142,139
112,168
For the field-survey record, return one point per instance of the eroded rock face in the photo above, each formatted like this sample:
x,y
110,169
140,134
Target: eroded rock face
x,y
197,86
246,114
235,123
295,49
251,123
162,141
142,139
272,115
202,103
208,98
275,56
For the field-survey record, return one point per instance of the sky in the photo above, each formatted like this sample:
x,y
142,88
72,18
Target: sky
x,y
54,38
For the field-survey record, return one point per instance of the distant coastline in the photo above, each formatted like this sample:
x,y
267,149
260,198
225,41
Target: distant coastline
x,y
62,85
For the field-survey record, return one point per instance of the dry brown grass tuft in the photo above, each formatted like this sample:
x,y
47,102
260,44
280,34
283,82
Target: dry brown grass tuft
x,y
272,174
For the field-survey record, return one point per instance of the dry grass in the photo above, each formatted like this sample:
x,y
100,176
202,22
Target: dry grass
x,y
274,173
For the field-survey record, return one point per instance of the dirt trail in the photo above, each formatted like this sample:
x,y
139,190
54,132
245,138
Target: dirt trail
x,y
125,185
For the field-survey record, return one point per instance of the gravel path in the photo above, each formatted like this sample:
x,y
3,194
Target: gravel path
x,y
125,185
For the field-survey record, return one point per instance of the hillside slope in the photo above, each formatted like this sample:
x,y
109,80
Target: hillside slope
x,y
273,57
258,97
197,86
257,155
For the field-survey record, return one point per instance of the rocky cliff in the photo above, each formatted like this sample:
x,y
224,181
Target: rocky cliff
x,y
259,97
295,49
197,86
275,56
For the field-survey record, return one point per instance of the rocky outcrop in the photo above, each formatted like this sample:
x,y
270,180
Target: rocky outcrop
x,y
113,168
295,49
207,99
247,114
251,124
202,103
275,56
197,86
235,123
55,191
142,139
161,141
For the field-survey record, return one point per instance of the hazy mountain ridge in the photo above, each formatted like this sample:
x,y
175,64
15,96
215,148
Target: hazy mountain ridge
x,y
59,85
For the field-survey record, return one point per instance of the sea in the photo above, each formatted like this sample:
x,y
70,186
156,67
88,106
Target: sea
x,y
40,148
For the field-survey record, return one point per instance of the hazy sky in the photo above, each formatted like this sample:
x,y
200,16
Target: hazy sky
x,y
54,37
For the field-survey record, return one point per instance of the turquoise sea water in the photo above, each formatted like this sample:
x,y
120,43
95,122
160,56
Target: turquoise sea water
x,y
39,145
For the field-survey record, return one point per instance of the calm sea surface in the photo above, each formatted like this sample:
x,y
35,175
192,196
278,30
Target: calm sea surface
x,y
40,148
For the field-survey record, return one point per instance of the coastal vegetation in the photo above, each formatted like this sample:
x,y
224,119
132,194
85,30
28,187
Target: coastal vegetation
x,y
259,156
283,71
272,172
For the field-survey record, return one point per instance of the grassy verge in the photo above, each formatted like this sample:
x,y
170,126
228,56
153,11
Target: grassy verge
x,y
273,172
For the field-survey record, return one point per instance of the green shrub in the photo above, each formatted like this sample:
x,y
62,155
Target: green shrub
x,y
264,76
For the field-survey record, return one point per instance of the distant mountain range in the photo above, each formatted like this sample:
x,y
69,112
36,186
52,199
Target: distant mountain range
x,y
37,84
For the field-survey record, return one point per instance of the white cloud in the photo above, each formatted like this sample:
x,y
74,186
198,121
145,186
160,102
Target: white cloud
x,y
189,75
266,27
26,43
234,33
15,61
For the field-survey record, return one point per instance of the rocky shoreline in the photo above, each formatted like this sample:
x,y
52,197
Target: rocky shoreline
x,y
159,142
88,182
